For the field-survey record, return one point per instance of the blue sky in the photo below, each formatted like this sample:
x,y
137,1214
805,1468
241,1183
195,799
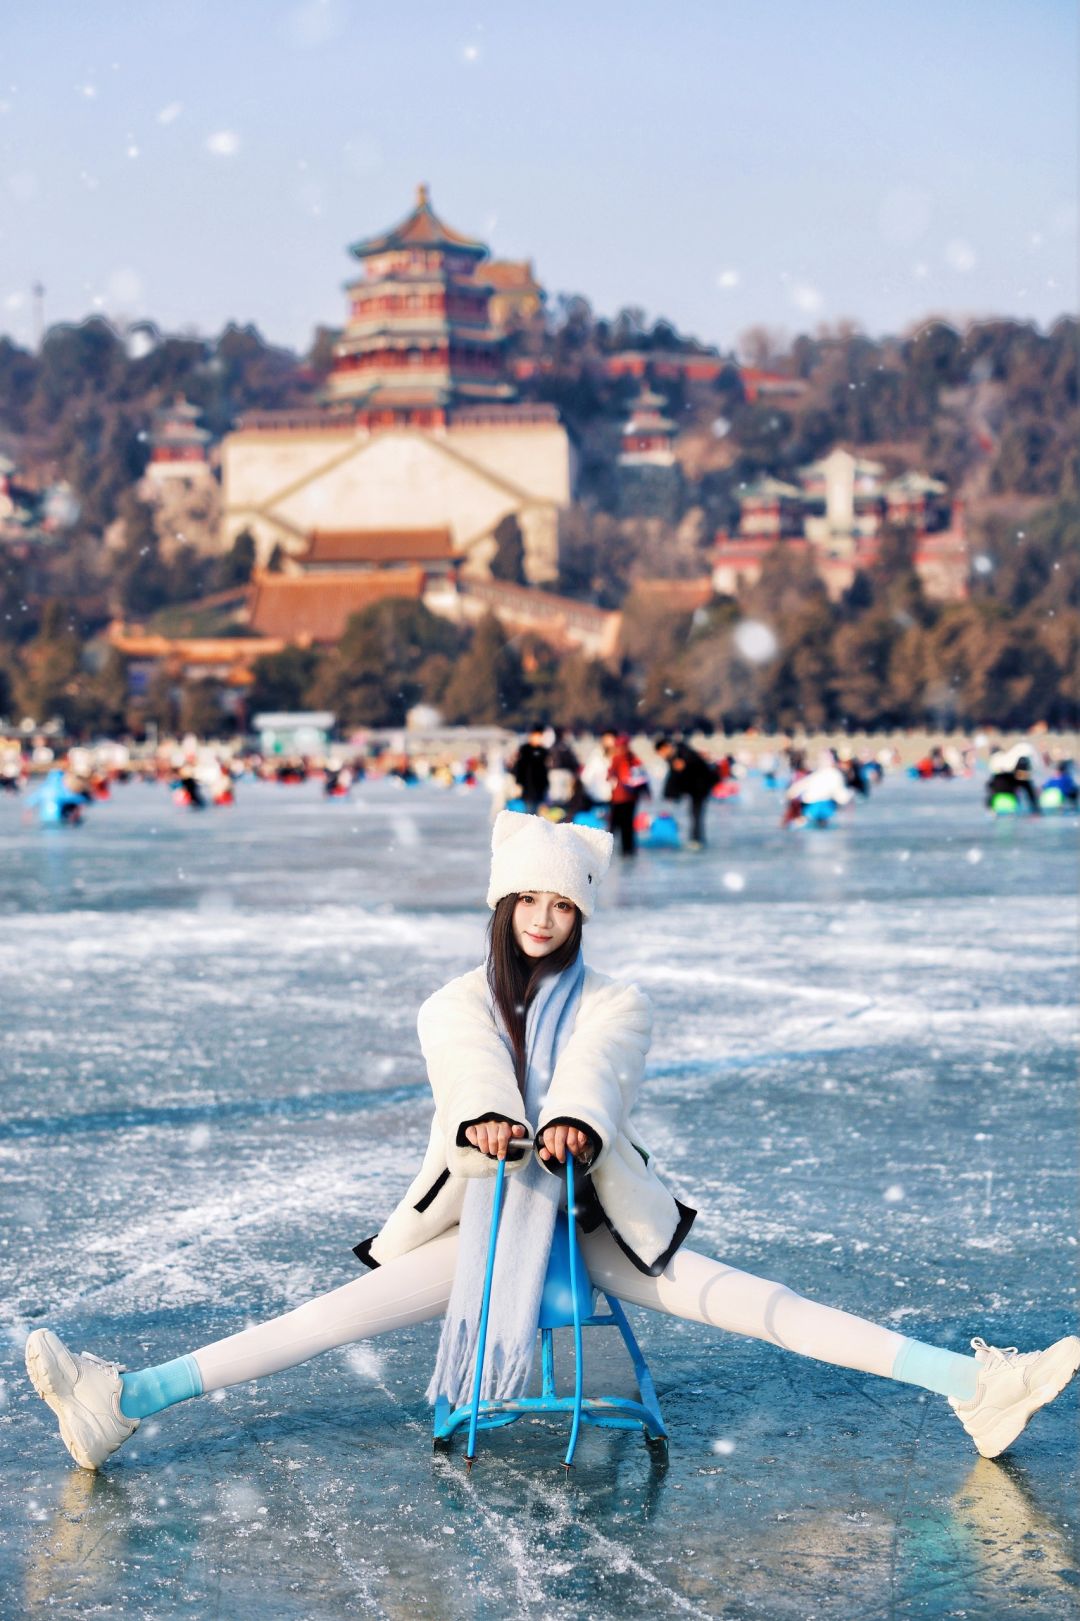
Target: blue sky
x,y
721,162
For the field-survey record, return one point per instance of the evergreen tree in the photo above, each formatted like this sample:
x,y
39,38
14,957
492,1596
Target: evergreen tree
x,y
200,709
282,680
487,687
373,676
508,562
48,684
142,577
234,569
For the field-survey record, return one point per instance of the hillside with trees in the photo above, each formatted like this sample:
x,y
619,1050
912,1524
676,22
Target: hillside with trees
x,y
992,411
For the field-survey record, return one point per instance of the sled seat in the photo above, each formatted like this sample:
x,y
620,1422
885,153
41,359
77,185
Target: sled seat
x,y
569,1301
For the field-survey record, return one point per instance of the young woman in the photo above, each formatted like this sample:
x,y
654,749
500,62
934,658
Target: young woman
x,y
531,1058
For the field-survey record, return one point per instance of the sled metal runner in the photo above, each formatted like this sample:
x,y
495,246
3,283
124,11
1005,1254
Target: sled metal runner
x,y
568,1302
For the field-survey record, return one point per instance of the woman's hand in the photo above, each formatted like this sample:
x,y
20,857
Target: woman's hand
x,y
493,1137
557,1141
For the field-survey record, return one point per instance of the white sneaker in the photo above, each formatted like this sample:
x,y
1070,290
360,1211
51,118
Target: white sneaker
x,y
1011,1387
84,1393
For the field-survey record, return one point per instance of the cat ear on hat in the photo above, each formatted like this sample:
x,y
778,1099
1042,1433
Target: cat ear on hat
x,y
507,823
599,845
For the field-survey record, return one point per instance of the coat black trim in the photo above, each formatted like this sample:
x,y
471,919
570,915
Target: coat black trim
x,y
362,1251
687,1217
433,1192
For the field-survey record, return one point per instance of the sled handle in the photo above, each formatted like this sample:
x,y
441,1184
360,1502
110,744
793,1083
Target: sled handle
x,y
485,1308
575,1262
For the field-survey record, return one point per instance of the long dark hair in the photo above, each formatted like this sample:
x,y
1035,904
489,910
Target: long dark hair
x,y
514,978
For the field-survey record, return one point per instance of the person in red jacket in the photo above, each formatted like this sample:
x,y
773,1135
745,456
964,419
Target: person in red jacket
x,y
629,781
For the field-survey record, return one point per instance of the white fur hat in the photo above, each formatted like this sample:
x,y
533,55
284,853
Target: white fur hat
x,y
531,853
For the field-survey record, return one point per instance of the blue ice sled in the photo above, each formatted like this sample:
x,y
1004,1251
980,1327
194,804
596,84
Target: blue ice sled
x,y
663,833
820,811
569,1301
592,818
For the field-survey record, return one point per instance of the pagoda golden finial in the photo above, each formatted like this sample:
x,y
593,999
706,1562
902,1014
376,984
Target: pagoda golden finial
x,y
423,196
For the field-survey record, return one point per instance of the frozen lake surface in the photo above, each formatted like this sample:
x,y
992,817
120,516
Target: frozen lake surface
x,y
863,1077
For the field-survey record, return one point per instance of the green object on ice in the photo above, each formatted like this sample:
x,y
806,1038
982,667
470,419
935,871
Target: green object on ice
x,y
1051,799
1004,805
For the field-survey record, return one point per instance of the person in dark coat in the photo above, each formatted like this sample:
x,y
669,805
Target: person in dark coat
x,y
530,770
690,776
564,770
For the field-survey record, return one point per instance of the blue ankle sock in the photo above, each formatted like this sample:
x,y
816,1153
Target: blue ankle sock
x,y
152,1389
934,1369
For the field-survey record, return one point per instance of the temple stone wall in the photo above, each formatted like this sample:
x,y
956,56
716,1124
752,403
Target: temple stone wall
x,y
281,486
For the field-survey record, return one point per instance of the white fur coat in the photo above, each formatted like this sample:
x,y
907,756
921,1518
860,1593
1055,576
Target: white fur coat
x,y
595,1083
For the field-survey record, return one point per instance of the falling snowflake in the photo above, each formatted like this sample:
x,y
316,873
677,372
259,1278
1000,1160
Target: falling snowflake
x,y
169,114
139,343
974,856
224,143
893,1194
806,298
727,279
62,509
756,641
723,1447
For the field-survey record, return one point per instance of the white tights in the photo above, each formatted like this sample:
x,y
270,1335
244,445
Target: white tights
x,y
416,1288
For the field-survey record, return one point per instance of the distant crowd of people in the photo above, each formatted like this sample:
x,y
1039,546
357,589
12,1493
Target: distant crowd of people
x,y
550,773
612,780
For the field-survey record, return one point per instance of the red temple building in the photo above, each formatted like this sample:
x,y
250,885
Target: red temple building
x,y
689,365
517,298
836,516
648,435
418,431
648,473
418,338
178,446
770,509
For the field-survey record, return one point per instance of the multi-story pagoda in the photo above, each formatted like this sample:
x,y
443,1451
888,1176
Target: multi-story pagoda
x,y
417,430
648,435
418,339
178,446
649,480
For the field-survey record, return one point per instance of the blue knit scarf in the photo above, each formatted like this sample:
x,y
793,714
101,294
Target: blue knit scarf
x,y
530,1204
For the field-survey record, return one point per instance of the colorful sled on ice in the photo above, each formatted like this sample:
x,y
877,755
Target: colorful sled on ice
x,y
569,1301
592,818
820,812
1054,797
658,832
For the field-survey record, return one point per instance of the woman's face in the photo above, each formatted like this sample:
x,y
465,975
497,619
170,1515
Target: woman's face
x,y
542,922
